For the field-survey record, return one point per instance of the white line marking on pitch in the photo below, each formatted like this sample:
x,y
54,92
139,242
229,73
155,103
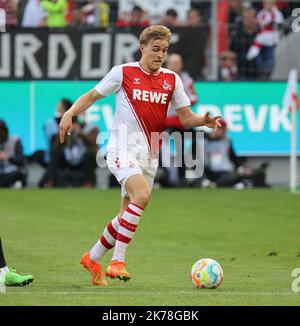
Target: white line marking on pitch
x,y
156,293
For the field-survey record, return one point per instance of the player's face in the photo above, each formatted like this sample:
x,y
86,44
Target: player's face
x,y
154,54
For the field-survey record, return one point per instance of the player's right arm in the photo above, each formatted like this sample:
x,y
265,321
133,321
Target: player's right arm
x,y
80,105
109,84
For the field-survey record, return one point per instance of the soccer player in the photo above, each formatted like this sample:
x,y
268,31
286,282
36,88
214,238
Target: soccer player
x,y
10,277
144,92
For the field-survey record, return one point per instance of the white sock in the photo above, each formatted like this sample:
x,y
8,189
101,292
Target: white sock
x,y
128,224
3,271
107,240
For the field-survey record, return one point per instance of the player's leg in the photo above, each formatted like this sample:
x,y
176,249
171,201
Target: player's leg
x,y
108,237
3,266
139,192
121,169
10,277
3,269
107,241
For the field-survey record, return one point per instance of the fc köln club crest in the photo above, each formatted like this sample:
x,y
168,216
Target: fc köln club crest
x,y
166,86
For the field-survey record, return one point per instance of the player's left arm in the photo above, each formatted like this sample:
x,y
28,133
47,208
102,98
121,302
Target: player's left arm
x,y
181,103
190,119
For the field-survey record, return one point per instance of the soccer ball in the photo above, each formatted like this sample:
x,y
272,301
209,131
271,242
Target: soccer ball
x,y
206,273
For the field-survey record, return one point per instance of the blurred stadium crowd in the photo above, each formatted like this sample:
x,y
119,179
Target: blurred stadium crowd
x,y
248,30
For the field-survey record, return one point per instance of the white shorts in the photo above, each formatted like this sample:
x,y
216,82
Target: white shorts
x,y
124,166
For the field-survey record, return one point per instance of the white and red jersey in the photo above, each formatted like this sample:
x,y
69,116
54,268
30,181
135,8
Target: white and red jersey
x,y
142,104
268,35
269,21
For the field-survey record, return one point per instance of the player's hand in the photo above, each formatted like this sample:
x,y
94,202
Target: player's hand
x,y
65,126
212,122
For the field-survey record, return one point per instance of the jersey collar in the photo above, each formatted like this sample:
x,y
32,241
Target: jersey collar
x,y
149,73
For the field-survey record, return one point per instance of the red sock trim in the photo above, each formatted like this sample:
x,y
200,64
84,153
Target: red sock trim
x,y
105,243
136,205
130,211
129,226
123,238
112,231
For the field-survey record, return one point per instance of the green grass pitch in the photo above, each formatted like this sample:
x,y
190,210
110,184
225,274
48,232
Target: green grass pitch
x,y
254,234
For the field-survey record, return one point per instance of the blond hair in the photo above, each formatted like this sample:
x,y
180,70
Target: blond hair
x,y
156,32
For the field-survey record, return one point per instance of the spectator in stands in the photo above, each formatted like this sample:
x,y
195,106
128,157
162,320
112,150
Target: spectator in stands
x,y
89,12
194,18
71,8
170,18
241,41
51,126
11,11
34,15
81,13
205,9
223,168
51,133
234,15
56,11
85,13
89,132
11,159
175,63
270,20
221,162
74,162
137,18
227,67
76,17
104,14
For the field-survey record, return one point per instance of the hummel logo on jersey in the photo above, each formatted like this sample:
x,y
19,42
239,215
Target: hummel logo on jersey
x,y
166,86
137,81
148,96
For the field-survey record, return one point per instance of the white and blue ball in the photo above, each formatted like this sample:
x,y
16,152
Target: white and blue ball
x,y
207,273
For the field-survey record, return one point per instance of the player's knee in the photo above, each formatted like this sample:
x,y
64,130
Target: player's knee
x,y
142,197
